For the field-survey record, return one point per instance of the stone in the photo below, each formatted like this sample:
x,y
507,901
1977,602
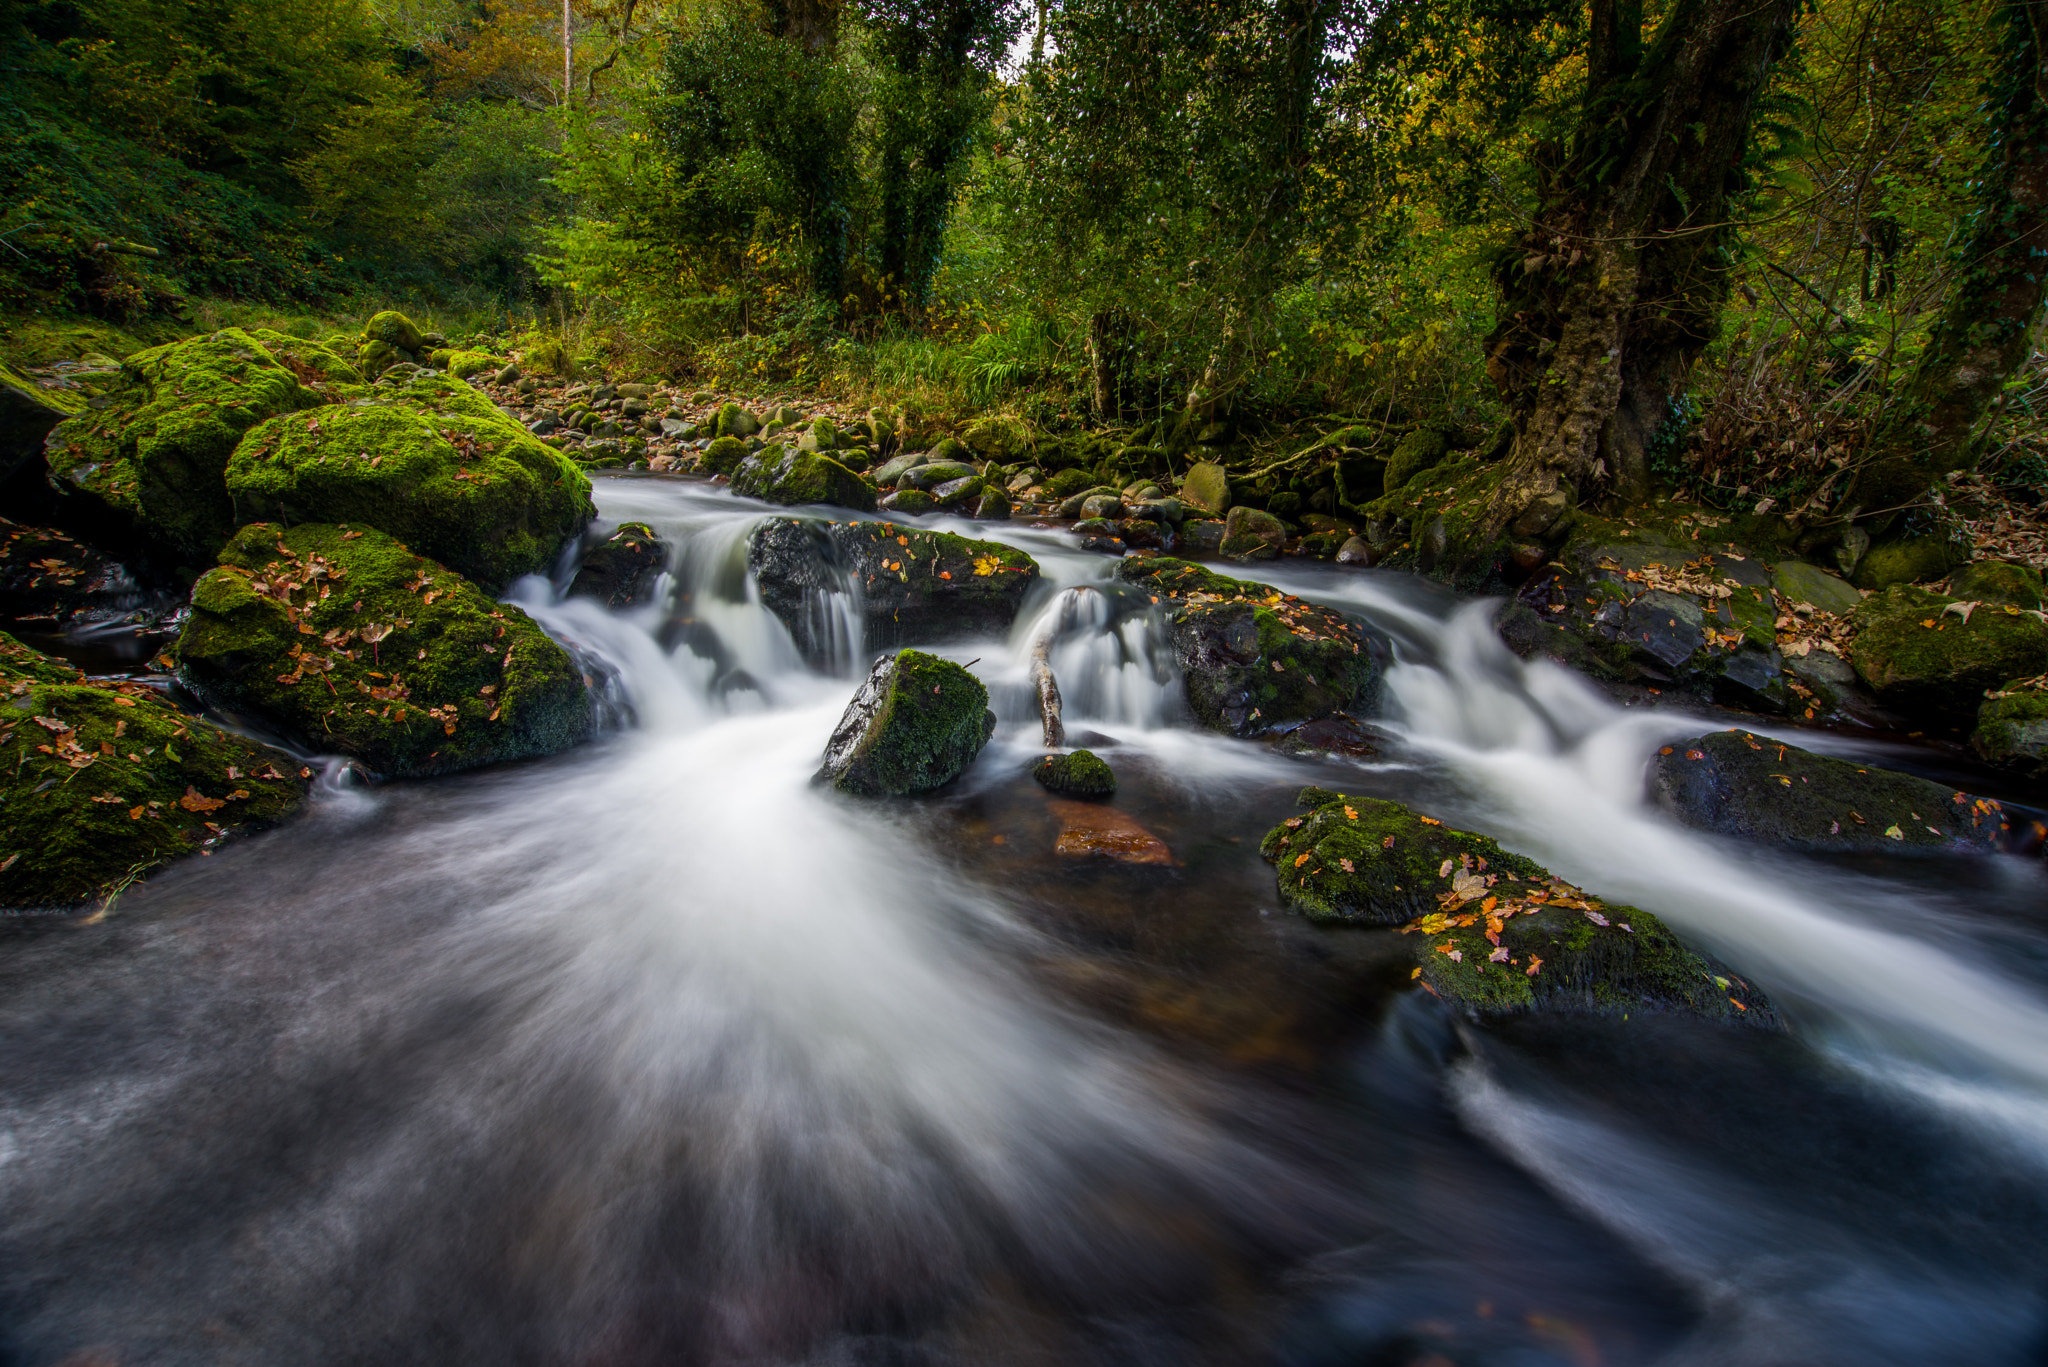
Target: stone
x,y
734,421
994,506
1798,582
916,723
27,413
909,502
431,462
1335,734
429,676
394,330
510,375
955,492
1201,536
1665,627
1909,560
1850,550
1996,581
1078,774
1207,487
892,471
1927,663
1249,534
1489,931
999,439
1090,830
623,568
1107,506
2012,730
936,472
1754,788
102,782
1355,551
776,475
1169,512
724,455
1420,450
1139,533
1254,659
48,576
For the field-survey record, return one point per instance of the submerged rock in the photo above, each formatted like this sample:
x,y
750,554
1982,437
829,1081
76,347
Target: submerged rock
x,y
351,641
1091,830
916,723
100,784
796,477
1923,656
1739,784
1079,774
621,569
1493,931
431,462
915,587
45,574
1256,659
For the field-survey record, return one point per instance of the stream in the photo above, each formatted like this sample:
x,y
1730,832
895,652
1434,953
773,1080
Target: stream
x,y
652,1052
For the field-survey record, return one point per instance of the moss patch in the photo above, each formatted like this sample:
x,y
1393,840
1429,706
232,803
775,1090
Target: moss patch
x,y
346,637
916,723
2013,729
100,784
1930,664
393,329
147,469
431,462
322,372
1080,774
1492,931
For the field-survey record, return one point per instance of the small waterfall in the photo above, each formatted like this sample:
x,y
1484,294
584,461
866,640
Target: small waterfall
x,y
1110,652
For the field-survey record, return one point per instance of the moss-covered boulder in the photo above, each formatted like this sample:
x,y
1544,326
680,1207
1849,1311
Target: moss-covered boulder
x,y
623,568
1491,931
1079,774
1249,534
734,421
463,364
779,475
2012,726
1744,785
144,474
431,462
723,456
393,329
27,413
1422,449
1909,560
1997,581
1803,583
348,639
1923,656
998,439
324,373
916,723
915,587
1207,487
100,784
1257,660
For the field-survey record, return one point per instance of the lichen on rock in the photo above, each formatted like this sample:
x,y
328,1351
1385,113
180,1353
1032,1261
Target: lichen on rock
x,y
345,637
99,784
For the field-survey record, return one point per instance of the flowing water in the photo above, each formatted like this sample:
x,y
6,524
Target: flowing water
x,y
653,1052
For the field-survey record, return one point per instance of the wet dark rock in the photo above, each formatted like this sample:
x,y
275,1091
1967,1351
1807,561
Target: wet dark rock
x,y
1256,659
1748,786
1799,582
1336,734
934,473
1207,487
48,576
955,492
1106,506
1354,551
27,413
891,471
1143,534
916,723
1093,830
1490,931
916,587
1201,536
1079,774
622,569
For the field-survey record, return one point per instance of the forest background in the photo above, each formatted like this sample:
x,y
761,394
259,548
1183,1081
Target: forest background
x,y
1085,213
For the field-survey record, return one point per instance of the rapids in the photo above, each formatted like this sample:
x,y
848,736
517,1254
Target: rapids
x,y
653,1053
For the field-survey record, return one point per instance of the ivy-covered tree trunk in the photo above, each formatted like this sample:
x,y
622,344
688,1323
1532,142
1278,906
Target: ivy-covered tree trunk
x,y
1992,314
1618,282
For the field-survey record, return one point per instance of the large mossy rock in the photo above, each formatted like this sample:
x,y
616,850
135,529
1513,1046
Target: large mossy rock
x,y
916,723
394,329
1257,660
144,474
777,474
1930,664
1207,486
914,587
1493,932
2012,727
431,462
1997,581
999,439
100,784
353,642
27,413
1422,449
1909,560
322,371
1748,786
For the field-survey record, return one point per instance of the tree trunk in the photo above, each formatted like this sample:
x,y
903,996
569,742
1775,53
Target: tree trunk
x,y
1991,317
1618,283
1109,340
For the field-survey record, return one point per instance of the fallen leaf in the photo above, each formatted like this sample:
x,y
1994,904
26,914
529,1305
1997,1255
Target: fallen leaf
x,y
194,801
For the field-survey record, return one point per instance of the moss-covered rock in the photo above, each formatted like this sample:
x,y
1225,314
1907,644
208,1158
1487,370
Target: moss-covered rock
x,y
1928,662
394,329
1079,774
324,373
778,475
1067,483
350,640
1736,783
734,421
431,462
463,364
1420,450
998,439
1908,560
723,456
144,474
916,587
916,723
1997,581
1249,534
1492,931
27,413
623,568
1255,659
2012,726
100,784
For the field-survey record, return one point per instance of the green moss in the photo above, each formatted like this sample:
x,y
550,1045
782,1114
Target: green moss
x,y
431,462
734,421
394,329
1927,662
98,785
359,645
929,720
723,455
1997,581
463,364
147,469
2013,729
1418,451
1493,932
1079,774
1911,560
1067,483
996,438
321,371
802,477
